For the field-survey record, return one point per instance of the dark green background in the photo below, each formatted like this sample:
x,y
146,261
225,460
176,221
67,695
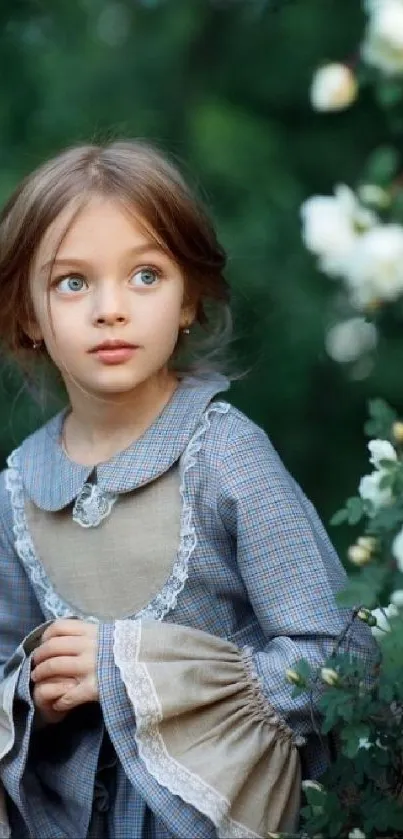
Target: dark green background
x,y
224,87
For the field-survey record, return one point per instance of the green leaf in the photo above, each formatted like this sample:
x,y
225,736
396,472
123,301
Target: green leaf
x,y
397,204
351,736
339,518
387,519
386,692
355,510
304,669
364,588
382,417
382,165
389,93
334,705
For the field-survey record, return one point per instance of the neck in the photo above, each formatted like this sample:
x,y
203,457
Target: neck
x,y
99,427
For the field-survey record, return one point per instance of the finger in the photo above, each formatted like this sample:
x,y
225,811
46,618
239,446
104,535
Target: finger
x,y
65,626
49,692
61,645
60,681
70,699
60,666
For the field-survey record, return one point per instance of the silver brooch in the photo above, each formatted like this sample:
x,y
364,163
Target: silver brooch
x,y
92,505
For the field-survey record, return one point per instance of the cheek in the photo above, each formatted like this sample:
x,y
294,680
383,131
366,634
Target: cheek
x,y
59,332
166,326
166,315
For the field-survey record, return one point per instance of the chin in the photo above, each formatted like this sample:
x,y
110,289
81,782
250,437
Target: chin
x,y
117,384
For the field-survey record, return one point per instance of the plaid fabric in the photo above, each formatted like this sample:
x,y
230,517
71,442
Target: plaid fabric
x,y
262,573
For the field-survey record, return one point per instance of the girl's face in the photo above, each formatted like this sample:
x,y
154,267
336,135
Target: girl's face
x,y
111,317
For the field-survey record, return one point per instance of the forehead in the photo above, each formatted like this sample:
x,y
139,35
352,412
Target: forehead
x,y
79,228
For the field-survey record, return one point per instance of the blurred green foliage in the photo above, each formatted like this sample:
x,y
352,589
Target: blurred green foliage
x,y
224,87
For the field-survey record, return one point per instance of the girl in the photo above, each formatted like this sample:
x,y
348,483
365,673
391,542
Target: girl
x,y
160,570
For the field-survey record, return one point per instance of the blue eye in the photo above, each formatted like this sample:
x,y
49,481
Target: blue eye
x,y
71,284
145,278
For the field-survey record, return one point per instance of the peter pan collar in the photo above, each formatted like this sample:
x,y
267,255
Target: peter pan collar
x,y
52,481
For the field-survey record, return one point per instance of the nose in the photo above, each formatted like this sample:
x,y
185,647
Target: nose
x,y
109,307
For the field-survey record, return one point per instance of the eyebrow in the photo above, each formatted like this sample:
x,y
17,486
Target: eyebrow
x,y
133,252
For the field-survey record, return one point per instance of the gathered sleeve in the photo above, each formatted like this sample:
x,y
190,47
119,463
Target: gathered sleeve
x,y
202,728
290,570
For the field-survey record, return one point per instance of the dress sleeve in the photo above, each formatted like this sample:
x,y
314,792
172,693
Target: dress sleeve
x,y
20,618
290,570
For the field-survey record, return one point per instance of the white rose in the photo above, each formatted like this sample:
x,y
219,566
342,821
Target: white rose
x,y
359,555
345,342
381,450
333,88
369,490
356,834
397,597
331,227
383,42
397,549
382,619
374,269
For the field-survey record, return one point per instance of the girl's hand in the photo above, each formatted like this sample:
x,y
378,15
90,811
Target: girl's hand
x,y
68,651
45,695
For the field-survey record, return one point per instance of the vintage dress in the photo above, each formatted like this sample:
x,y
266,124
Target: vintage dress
x,y
254,569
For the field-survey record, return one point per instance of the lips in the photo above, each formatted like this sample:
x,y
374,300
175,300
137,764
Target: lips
x,y
112,345
114,352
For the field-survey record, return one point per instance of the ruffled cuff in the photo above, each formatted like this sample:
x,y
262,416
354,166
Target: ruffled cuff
x,y
13,671
205,730
31,763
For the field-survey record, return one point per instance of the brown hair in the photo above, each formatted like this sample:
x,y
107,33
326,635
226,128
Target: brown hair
x,y
143,179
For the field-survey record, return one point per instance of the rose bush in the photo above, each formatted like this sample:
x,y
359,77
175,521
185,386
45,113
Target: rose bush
x,y
356,237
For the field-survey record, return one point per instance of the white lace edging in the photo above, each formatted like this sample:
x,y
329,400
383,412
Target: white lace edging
x,y
53,604
167,598
152,750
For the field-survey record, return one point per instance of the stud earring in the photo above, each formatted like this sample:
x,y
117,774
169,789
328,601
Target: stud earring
x,y
186,331
36,345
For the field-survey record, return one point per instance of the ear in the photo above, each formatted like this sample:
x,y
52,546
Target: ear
x,y
188,317
32,332
188,311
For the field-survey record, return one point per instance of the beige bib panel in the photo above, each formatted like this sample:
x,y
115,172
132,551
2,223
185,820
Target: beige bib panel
x,y
113,570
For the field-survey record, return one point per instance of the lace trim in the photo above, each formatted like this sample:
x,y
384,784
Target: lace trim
x,y
92,505
152,750
167,598
54,605
262,703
